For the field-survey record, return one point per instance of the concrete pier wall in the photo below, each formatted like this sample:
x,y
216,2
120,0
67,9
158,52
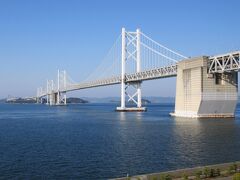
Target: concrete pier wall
x,y
53,99
199,94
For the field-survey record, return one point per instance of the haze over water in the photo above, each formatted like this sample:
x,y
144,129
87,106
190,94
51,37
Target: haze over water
x,y
92,141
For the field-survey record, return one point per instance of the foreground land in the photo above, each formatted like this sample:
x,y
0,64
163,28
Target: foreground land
x,y
219,171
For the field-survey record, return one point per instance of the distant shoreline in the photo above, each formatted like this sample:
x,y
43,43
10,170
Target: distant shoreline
x,y
76,100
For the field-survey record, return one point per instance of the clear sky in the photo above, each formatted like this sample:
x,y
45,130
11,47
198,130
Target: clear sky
x,y
39,37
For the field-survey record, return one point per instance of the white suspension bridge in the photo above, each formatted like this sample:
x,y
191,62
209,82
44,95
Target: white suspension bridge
x,y
133,58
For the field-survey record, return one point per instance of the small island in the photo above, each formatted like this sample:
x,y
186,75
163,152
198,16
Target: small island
x,y
73,100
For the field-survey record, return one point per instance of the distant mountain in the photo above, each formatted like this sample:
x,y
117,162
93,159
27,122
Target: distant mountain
x,y
102,100
155,99
144,101
21,100
151,99
2,101
73,100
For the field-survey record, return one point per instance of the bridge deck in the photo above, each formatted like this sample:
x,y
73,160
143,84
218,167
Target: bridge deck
x,y
141,76
157,73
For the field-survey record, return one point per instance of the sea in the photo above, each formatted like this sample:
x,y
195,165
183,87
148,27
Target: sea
x,y
92,141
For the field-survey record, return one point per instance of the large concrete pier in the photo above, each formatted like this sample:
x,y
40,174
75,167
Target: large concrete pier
x,y
201,94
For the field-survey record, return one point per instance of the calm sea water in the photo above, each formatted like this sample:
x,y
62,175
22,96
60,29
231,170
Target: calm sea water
x,y
91,141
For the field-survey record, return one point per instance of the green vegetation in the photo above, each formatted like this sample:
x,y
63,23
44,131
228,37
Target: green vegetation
x,y
206,172
236,176
224,173
214,172
165,177
154,178
184,176
218,172
198,175
232,169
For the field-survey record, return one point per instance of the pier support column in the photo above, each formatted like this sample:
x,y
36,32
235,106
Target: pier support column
x,y
53,99
61,98
138,61
199,94
139,96
47,97
123,70
39,100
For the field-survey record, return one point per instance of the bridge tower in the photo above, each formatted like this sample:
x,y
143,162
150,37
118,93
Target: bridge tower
x,y
52,97
39,97
131,51
57,95
61,88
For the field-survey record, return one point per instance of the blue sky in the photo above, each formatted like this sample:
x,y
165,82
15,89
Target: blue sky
x,y
39,37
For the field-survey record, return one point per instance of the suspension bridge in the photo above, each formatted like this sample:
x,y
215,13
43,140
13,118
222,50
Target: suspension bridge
x,y
135,57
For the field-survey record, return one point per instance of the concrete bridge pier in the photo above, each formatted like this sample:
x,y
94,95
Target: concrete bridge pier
x,y
37,100
200,94
52,99
57,99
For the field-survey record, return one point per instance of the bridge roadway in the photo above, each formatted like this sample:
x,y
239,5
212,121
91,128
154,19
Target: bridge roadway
x,y
162,72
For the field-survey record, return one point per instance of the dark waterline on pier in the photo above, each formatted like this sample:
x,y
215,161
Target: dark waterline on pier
x,y
92,141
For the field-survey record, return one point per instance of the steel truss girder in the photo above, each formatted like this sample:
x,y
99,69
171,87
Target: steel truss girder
x,y
153,74
157,73
224,63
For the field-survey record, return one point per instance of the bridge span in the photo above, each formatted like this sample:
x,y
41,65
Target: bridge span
x,y
157,73
206,86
